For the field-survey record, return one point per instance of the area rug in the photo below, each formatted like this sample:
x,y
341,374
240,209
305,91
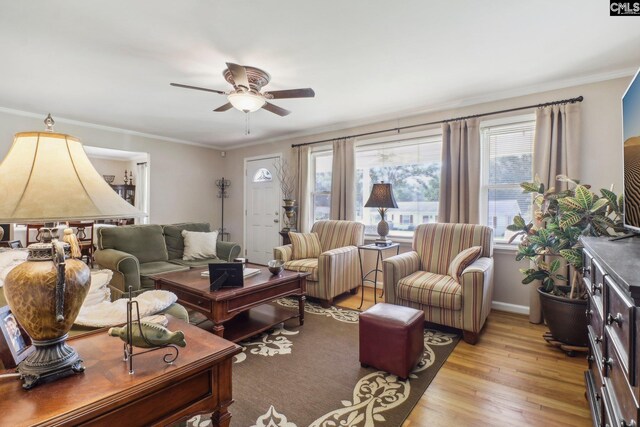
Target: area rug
x,y
295,376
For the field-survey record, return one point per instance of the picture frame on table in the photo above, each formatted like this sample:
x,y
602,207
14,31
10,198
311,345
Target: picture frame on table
x,y
15,344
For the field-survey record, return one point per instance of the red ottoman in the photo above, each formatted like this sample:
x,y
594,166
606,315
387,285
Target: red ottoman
x,y
391,338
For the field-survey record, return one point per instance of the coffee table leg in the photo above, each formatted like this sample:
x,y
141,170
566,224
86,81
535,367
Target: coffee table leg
x,y
218,329
301,300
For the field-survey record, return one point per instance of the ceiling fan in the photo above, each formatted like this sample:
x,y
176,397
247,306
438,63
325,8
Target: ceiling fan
x,y
246,95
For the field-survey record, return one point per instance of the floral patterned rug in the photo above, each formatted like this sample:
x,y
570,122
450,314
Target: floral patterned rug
x,y
309,375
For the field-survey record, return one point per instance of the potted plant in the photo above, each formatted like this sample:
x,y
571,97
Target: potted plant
x,y
551,243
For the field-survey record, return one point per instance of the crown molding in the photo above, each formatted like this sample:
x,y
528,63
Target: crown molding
x,y
407,115
58,119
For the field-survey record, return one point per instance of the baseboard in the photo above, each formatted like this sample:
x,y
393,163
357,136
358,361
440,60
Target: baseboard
x,y
510,308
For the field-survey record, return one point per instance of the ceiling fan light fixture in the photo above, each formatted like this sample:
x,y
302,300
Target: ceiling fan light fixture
x,y
246,102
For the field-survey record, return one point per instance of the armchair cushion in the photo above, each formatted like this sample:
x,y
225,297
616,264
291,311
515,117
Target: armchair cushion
x,y
463,260
430,289
309,265
305,245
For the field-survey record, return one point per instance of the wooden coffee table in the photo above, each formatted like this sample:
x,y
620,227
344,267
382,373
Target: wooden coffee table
x,y
105,394
238,313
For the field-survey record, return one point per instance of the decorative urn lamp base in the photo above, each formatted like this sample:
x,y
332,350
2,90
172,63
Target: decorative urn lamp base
x,y
52,359
45,294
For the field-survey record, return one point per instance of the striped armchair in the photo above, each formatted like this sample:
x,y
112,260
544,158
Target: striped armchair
x,y
419,278
336,271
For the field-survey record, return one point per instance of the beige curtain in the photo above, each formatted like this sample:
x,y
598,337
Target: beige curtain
x,y
555,152
555,149
460,172
343,180
304,190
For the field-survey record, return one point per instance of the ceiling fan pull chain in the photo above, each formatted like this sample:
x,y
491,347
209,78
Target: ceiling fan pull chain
x,y
247,128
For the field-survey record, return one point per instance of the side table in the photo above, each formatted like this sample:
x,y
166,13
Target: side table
x,y
365,277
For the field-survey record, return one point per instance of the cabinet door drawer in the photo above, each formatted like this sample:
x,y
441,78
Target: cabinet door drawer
x,y
595,318
192,300
594,396
620,322
617,384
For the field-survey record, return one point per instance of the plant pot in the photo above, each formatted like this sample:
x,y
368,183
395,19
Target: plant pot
x,y
565,318
289,202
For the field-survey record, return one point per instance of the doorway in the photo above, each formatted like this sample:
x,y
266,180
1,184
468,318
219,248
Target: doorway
x,y
262,208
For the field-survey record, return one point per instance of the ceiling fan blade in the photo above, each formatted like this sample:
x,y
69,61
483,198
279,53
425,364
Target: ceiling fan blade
x,y
224,107
275,109
239,74
198,88
291,93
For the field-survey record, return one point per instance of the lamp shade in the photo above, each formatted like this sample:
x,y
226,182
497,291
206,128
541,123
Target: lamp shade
x,y
381,197
245,101
48,177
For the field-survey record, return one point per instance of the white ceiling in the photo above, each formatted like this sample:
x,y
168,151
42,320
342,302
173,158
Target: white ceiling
x,y
110,63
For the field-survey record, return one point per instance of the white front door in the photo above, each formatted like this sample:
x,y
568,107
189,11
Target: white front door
x,y
262,201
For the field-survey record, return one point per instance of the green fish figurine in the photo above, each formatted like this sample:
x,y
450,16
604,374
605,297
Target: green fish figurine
x,y
156,335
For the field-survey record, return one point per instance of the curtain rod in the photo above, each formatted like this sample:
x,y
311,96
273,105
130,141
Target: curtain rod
x,y
398,129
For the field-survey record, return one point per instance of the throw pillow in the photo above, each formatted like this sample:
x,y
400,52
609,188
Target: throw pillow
x,y
463,260
305,245
199,245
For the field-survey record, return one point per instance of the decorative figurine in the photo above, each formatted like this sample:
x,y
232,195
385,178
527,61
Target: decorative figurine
x,y
125,177
149,335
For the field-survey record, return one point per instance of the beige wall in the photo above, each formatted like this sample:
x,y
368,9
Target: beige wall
x,y
114,167
600,157
182,176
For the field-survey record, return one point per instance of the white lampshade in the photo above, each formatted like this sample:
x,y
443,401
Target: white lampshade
x,y
245,101
48,177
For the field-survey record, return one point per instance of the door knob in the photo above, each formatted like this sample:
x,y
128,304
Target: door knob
x,y
276,220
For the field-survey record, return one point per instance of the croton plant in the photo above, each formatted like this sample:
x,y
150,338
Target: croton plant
x,y
560,218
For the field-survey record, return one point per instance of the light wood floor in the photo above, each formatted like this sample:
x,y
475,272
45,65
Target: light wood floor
x,y
510,377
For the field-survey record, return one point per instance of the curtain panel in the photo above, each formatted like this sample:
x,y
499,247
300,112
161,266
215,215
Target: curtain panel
x,y
304,186
556,144
460,172
343,180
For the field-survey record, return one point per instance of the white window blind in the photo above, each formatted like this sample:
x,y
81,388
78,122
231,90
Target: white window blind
x,y
507,152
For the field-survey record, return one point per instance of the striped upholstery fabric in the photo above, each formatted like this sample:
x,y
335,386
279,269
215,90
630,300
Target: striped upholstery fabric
x,y
305,245
338,269
430,289
338,234
419,278
309,265
438,244
462,261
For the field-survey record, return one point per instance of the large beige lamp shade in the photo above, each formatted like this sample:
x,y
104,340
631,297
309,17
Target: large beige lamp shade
x,y
48,177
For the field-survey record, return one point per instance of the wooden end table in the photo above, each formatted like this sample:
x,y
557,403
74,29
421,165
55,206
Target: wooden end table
x,y
105,394
238,313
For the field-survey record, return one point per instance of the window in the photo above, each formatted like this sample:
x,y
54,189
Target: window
x,y
507,160
262,175
321,194
412,166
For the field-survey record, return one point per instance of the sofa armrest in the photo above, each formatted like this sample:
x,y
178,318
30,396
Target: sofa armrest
x,y
395,268
125,267
283,253
477,293
338,271
227,251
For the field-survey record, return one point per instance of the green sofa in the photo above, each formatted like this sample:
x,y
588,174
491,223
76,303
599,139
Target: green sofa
x,y
136,252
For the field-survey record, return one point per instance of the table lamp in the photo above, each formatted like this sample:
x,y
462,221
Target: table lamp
x,y
48,177
382,198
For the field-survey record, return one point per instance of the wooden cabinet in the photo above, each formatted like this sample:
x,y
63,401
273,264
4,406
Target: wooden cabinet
x,y
127,192
613,285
